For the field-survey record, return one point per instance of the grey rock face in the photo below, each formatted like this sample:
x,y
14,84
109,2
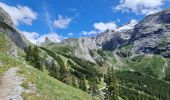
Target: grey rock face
x,y
107,40
152,35
118,39
7,27
149,36
46,42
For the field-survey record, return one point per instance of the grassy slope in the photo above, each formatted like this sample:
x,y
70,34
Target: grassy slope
x,y
5,43
149,64
50,88
47,87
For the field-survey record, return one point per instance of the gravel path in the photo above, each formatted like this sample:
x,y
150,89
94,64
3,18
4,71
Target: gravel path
x,y
10,88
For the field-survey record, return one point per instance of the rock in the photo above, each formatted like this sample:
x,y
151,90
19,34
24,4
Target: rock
x,y
7,27
152,35
149,36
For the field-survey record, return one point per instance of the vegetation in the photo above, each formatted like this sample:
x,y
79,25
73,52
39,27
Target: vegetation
x,y
82,85
49,88
112,88
80,67
93,88
144,77
139,85
151,65
5,44
33,57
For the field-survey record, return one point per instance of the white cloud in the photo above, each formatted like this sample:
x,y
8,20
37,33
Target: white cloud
x,y
128,26
31,36
88,33
34,37
140,6
133,21
70,34
100,27
104,26
62,22
20,14
48,20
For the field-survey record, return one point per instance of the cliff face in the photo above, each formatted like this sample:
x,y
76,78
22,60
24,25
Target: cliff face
x,y
10,33
152,35
7,27
149,36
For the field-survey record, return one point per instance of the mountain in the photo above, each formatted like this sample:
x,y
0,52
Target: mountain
x,y
20,80
47,41
9,31
138,51
149,36
76,68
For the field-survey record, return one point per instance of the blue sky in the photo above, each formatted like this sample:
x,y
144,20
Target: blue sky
x,y
60,19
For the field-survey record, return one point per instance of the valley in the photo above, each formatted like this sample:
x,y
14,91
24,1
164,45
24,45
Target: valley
x,y
125,64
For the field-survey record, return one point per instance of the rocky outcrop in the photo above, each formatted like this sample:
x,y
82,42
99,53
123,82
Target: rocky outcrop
x,y
149,36
152,35
7,27
46,42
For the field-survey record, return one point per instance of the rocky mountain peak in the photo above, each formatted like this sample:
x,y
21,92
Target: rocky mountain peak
x,y
47,40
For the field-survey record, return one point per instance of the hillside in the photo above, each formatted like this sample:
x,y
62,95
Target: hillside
x,y
36,84
129,63
47,88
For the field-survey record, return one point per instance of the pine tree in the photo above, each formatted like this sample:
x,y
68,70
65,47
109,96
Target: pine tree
x,y
93,88
112,90
64,75
33,57
74,82
36,58
54,70
82,85
28,53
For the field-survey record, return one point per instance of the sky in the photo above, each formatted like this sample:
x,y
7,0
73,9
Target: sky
x,y
60,19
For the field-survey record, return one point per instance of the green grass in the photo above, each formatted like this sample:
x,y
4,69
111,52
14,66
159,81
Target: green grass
x,y
151,65
7,62
101,84
25,85
50,88
5,43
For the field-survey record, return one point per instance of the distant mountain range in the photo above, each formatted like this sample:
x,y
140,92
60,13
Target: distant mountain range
x,y
139,51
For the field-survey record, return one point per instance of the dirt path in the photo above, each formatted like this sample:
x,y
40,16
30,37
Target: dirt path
x,y
10,88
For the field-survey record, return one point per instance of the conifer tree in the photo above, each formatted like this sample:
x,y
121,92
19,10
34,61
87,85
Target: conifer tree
x,y
93,88
54,70
28,53
33,57
82,84
36,58
112,90
74,82
64,75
